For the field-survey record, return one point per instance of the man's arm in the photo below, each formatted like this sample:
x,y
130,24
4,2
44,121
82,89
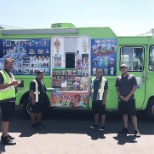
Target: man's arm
x,y
121,97
131,93
105,93
14,83
32,89
32,97
117,89
3,86
104,97
134,82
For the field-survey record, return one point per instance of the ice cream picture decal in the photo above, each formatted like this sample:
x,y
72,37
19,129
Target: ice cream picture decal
x,y
57,45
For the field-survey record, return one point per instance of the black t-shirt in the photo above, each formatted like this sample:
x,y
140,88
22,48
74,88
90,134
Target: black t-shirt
x,y
41,88
2,81
96,87
125,85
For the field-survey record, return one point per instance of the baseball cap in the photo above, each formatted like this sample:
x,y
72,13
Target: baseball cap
x,y
39,71
123,65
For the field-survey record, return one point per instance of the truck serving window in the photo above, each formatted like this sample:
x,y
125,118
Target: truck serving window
x,y
133,57
151,58
70,60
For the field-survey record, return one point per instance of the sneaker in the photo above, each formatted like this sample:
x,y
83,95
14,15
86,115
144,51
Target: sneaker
x,y
124,130
101,128
7,141
137,133
39,124
94,126
34,126
9,136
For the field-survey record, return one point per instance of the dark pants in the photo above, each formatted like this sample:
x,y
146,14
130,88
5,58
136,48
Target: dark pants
x,y
38,107
98,107
7,109
127,107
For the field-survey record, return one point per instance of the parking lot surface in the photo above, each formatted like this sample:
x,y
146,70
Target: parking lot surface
x,y
68,132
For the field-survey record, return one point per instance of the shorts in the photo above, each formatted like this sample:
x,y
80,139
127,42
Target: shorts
x,y
127,107
98,107
38,107
7,110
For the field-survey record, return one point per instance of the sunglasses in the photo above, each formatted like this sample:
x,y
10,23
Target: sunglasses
x,y
123,67
99,72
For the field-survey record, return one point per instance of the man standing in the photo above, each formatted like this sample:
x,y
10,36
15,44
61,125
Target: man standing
x,y
7,99
98,94
126,85
38,98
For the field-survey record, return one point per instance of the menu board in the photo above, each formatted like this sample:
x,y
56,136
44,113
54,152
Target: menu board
x,y
71,82
104,56
29,55
77,78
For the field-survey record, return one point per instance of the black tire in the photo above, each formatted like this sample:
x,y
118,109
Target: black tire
x,y
46,109
150,109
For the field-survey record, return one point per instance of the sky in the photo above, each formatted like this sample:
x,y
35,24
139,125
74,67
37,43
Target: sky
x,y
124,17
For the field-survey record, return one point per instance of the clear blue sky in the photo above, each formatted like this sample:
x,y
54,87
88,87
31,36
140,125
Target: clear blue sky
x,y
125,17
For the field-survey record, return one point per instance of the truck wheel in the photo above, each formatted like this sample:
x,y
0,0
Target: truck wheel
x,y
150,109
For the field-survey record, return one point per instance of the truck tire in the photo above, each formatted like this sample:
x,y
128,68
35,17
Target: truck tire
x,y
150,109
45,113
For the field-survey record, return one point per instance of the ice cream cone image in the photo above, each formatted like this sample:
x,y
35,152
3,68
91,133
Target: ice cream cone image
x,y
84,45
57,45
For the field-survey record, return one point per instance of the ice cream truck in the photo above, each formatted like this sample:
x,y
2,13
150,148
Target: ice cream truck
x,y
69,57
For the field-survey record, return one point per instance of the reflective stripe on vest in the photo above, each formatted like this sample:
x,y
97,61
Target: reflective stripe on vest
x,y
36,92
100,90
8,92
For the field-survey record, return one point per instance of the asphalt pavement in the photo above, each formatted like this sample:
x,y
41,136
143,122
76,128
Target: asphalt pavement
x,y
67,131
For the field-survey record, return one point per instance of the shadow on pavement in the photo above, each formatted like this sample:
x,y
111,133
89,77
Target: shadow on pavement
x,y
2,148
78,121
124,138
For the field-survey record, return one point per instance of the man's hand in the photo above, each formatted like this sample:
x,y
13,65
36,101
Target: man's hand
x,y
33,102
16,83
126,99
103,102
122,98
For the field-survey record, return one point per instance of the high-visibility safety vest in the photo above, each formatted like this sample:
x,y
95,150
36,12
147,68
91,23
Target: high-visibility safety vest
x,y
8,92
100,90
36,92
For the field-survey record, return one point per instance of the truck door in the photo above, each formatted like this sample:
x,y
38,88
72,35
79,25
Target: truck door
x,y
134,57
70,71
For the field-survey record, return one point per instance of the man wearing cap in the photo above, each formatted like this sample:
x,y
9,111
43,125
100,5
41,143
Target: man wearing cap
x,y
126,85
38,97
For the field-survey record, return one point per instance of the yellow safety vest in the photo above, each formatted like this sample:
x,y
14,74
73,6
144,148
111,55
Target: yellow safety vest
x,y
8,92
100,90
